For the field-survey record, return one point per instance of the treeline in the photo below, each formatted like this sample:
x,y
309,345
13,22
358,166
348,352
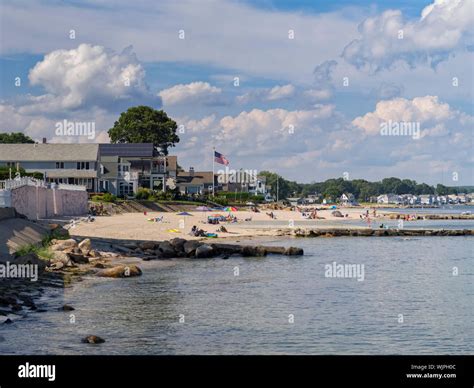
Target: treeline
x,y
360,188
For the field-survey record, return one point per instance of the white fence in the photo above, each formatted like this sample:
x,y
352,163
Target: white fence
x,y
10,184
23,181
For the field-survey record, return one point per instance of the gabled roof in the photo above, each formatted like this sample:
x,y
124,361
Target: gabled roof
x,y
199,178
48,152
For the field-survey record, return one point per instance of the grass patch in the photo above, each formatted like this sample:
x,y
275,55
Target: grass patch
x,y
42,250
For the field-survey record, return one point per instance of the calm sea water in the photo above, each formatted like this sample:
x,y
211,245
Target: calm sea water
x,y
251,313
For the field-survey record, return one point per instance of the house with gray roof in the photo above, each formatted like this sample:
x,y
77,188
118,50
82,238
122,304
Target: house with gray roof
x,y
60,163
195,182
123,168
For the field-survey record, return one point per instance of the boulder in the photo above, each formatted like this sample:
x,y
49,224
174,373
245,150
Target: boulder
x,y
166,250
293,251
61,245
337,213
92,339
61,257
66,307
178,243
190,247
147,245
85,246
121,271
94,253
204,251
257,251
78,258
56,266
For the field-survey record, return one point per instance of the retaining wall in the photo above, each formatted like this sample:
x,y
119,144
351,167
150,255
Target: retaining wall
x,y
40,202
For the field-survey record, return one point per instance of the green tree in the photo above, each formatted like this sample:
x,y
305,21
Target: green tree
x,y
143,124
15,138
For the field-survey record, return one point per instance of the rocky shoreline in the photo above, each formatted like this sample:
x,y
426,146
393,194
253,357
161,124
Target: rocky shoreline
x,y
72,258
366,232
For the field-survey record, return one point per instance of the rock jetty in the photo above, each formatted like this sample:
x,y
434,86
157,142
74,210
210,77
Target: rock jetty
x,y
366,232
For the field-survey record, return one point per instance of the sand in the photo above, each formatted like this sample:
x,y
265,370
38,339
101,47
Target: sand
x,y
135,226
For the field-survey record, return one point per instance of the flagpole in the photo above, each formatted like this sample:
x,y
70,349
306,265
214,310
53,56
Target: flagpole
x,y
213,163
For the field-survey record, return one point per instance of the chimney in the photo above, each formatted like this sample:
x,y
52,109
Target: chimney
x,y
44,140
191,171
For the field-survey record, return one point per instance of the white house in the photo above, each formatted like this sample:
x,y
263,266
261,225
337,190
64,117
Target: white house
x,y
426,199
389,199
348,199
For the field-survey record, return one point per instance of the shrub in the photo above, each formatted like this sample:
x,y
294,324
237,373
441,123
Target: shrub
x,y
107,197
143,193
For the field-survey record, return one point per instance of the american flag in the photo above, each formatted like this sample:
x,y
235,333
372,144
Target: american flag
x,y
221,159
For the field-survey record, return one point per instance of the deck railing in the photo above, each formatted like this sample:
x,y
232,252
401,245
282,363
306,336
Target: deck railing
x,y
10,184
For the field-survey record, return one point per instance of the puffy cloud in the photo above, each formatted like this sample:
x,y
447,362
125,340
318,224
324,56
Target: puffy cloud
x,y
279,92
323,72
318,94
39,27
444,26
285,92
434,117
88,76
194,92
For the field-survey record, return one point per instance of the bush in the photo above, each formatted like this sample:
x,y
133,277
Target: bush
x,y
143,193
106,197
220,200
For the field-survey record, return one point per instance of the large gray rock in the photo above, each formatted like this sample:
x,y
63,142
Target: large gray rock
x,y
61,257
257,251
93,339
147,245
204,251
337,213
61,245
178,244
190,247
85,246
121,271
78,258
293,251
166,250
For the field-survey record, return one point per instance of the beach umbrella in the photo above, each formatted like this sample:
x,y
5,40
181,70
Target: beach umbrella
x,y
184,214
230,209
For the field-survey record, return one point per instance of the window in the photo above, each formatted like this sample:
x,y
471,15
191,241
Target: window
x,y
59,164
83,165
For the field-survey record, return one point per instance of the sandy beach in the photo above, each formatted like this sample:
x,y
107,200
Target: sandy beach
x,y
137,225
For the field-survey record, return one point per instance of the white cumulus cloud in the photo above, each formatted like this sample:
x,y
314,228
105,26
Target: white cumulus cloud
x,y
194,92
445,26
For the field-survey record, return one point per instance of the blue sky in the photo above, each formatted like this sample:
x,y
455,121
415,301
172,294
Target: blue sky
x,y
309,107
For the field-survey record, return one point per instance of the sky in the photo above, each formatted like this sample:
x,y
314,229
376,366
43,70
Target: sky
x,y
309,89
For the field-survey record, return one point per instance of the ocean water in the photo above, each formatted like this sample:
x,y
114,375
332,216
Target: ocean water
x,y
410,302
